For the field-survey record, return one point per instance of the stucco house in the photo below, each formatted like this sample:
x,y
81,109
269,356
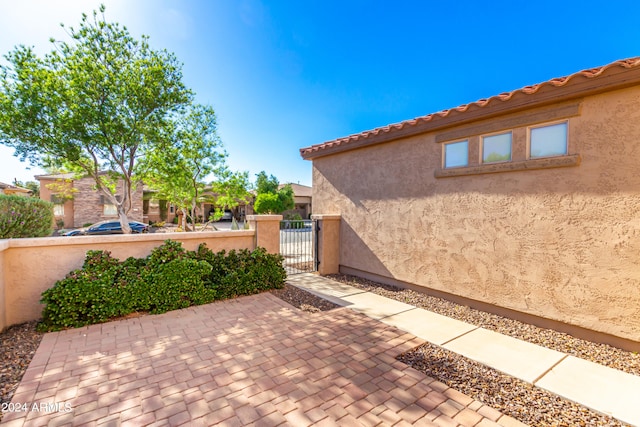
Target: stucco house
x,y
153,206
526,203
84,204
9,189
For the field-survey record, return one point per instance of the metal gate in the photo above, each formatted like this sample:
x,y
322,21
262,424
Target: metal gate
x,y
299,245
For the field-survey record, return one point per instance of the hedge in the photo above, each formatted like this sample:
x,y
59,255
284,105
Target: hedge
x,y
169,278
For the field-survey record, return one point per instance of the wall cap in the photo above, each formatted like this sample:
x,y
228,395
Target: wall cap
x,y
326,217
119,238
264,217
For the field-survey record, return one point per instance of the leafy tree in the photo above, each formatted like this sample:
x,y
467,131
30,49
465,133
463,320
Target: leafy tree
x,y
286,197
178,168
267,203
271,198
230,189
266,184
97,102
34,186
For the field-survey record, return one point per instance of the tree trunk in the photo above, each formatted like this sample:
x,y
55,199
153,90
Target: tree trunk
x,y
122,214
124,221
184,219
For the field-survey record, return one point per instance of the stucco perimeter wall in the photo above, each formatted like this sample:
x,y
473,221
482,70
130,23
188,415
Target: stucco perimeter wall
x,y
3,247
560,243
30,266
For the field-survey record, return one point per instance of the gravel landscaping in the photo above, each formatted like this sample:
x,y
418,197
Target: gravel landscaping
x,y
18,344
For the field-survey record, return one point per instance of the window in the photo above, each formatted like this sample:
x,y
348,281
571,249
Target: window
x,y
58,210
109,210
548,141
456,154
496,148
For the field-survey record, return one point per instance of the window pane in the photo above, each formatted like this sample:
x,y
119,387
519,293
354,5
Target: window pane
x,y
549,141
110,210
58,210
456,154
496,148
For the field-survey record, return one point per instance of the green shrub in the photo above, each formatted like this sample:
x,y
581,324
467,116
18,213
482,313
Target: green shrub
x,y
85,296
169,278
169,251
177,284
25,217
242,272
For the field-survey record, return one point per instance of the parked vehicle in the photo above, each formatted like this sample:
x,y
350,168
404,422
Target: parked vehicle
x,y
107,227
226,216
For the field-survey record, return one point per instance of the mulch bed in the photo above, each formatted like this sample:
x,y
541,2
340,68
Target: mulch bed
x,y
18,344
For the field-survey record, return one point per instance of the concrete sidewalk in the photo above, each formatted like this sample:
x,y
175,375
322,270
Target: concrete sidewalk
x,y
598,387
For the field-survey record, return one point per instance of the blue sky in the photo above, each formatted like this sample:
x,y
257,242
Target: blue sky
x,y
283,75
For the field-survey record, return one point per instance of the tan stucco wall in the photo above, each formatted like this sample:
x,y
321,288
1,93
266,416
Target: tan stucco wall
x,y
563,244
328,235
30,266
267,231
4,245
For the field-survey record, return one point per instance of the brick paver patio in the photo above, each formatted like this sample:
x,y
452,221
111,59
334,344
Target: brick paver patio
x,y
249,361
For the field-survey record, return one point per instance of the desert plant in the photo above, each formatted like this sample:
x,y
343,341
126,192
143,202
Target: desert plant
x,y
25,217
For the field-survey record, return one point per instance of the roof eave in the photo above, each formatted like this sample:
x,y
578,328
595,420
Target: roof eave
x,y
557,90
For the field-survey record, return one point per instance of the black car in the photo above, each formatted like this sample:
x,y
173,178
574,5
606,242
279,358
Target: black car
x,y
108,227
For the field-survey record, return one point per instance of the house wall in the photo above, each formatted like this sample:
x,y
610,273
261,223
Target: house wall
x,y
561,244
45,194
21,285
88,207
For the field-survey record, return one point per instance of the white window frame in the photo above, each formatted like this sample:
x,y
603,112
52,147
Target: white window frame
x,y
547,125
444,154
58,209
482,147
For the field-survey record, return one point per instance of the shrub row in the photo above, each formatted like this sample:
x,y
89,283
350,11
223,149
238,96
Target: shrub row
x,y
25,217
169,278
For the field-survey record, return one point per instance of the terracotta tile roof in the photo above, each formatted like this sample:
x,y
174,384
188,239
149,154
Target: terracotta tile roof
x,y
431,121
13,188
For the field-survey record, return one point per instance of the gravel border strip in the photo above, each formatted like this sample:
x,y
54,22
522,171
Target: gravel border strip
x,y
303,300
18,344
603,354
511,396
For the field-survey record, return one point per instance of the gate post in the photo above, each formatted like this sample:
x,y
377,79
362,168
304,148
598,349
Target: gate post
x,y
328,243
267,229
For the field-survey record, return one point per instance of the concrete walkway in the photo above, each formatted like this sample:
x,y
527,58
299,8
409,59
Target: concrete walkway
x,y
598,387
252,361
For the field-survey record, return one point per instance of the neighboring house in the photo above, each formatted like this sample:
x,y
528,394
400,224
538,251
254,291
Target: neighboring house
x,y
84,204
526,203
302,195
153,203
9,189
